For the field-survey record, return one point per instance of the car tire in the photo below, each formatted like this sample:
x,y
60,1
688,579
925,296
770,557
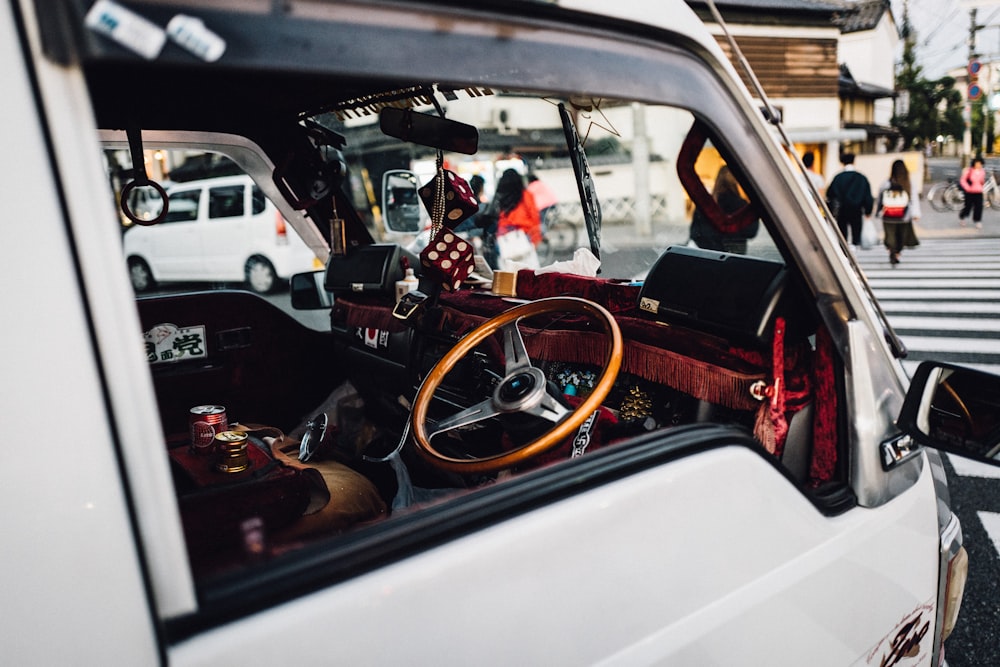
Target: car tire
x,y
260,275
140,275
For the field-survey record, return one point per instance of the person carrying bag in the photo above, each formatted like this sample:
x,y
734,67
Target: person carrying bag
x,y
519,225
898,207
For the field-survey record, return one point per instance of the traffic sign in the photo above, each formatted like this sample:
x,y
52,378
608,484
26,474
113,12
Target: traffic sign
x,y
974,67
975,92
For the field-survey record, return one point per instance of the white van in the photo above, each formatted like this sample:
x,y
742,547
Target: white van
x,y
723,462
240,236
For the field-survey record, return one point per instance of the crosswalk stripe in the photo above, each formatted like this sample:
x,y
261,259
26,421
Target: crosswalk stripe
x,y
946,307
915,293
970,274
971,468
983,346
943,300
991,522
902,323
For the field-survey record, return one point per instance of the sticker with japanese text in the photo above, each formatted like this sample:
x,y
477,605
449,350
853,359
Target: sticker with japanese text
x,y
169,343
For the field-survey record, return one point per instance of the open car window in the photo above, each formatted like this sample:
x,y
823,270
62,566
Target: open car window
x,y
627,270
342,435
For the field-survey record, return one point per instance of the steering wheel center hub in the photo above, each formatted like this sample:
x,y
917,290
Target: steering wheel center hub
x,y
521,389
517,386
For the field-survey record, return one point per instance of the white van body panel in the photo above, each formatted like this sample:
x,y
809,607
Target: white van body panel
x,y
72,579
779,564
93,567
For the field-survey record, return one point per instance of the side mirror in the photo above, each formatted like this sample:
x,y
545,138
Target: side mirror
x,y
308,293
955,410
400,204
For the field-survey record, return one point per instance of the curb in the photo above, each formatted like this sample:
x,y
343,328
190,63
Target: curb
x,y
969,232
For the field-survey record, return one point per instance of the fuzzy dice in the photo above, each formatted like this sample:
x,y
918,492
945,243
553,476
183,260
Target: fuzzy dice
x,y
447,259
459,201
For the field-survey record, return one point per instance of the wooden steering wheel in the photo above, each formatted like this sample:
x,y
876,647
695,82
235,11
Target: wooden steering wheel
x,y
522,390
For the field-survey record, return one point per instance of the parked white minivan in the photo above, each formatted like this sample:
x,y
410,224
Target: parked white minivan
x,y
217,230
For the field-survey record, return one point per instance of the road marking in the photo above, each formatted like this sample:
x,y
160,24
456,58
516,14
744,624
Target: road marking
x,y
970,468
991,523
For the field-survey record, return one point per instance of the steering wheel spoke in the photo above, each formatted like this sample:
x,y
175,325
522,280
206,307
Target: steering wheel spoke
x,y
473,414
515,353
549,409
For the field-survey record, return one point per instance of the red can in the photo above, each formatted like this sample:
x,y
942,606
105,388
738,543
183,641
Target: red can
x,y
206,421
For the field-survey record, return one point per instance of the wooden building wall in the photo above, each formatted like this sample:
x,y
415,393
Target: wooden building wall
x,y
789,66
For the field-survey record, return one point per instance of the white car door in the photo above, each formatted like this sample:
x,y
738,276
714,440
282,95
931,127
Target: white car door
x,y
703,560
224,231
173,245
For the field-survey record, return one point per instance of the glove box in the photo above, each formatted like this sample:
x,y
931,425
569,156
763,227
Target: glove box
x,y
715,292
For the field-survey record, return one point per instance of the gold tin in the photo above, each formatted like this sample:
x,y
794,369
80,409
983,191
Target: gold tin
x,y
231,450
505,283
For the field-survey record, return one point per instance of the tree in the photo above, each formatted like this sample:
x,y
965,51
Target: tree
x,y
933,108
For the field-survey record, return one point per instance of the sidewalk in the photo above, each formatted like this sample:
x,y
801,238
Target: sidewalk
x,y
935,225
932,225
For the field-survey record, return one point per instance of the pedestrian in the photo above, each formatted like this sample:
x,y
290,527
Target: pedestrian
x,y
850,199
545,198
519,226
726,192
972,181
899,208
808,161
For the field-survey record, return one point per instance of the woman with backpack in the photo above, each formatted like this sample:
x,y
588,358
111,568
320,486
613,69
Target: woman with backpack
x,y
898,207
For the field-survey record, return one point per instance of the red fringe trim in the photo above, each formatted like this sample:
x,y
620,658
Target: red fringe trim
x,y
824,458
700,379
703,380
367,315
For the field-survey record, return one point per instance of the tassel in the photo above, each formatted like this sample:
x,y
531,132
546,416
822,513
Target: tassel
x,y
763,428
777,402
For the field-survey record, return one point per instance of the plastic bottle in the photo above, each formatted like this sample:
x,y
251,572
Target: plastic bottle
x,y
406,285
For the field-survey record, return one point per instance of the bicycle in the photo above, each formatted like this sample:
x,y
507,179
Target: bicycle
x,y
935,195
559,239
953,197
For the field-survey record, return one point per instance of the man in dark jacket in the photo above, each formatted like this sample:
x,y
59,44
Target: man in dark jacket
x,y
850,197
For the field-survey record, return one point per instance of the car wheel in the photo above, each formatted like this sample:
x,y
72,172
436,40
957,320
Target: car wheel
x,y
260,275
141,276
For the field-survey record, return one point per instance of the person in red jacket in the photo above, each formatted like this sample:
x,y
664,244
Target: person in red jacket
x,y
972,182
545,198
516,207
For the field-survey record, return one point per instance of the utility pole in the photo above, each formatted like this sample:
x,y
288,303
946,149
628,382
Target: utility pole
x,y
967,112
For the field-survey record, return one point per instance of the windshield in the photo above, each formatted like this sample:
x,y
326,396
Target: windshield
x,y
658,180
633,153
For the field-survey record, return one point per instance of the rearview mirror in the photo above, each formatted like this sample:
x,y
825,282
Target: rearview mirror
x,y
427,130
954,409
